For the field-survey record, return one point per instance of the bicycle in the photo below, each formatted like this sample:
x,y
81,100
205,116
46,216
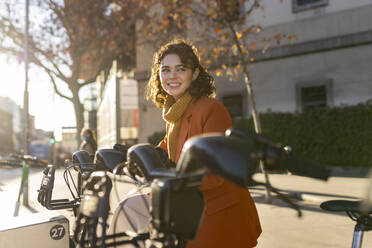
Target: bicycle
x,y
233,156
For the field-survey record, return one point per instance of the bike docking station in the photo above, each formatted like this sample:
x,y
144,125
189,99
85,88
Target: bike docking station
x,y
33,230
173,186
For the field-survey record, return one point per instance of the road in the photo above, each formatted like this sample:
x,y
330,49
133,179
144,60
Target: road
x,y
280,224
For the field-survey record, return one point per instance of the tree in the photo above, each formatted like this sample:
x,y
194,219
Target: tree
x,y
222,30
72,41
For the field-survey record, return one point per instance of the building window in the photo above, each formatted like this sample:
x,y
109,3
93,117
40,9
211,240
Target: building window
x,y
312,95
300,5
234,104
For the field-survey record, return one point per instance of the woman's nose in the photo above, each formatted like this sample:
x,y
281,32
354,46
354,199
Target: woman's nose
x,y
172,73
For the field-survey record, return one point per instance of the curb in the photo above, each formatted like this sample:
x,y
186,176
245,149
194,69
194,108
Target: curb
x,y
361,172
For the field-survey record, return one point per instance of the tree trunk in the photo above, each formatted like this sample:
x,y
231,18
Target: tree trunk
x,y
79,113
257,124
255,115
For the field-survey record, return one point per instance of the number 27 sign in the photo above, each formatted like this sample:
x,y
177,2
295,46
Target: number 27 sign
x,y
57,232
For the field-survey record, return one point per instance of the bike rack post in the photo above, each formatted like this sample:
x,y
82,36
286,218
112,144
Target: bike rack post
x,y
358,236
23,189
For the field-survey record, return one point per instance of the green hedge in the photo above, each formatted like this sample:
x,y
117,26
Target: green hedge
x,y
340,136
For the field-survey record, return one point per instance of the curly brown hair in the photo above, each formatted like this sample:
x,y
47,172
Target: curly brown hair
x,y
203,85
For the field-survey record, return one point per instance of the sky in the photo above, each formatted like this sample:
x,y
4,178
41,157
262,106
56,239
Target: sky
x,y
51,111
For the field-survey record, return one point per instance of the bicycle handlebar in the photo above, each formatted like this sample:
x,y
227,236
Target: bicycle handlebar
x,y
235,157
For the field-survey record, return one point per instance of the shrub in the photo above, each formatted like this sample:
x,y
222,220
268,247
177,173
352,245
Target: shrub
x,y
340,136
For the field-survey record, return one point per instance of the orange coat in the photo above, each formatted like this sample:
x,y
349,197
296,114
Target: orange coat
x,y
230,218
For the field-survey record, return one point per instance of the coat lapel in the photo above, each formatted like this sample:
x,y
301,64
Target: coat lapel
x,y
184,132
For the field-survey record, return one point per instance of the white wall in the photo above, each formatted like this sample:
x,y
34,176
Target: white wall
x,y
274,82
274,12
106,116
339,18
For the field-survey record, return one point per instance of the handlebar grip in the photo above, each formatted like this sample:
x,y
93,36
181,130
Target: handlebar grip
x,y
304,168
62,205
60,201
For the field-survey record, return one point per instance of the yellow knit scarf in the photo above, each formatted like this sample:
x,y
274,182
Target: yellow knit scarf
x,y
172,114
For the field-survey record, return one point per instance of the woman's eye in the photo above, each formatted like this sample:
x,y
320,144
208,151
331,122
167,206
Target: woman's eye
x,y
164,70
181,69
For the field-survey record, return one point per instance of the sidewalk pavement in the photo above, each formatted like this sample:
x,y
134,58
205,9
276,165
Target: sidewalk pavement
x,y
316,228
281,226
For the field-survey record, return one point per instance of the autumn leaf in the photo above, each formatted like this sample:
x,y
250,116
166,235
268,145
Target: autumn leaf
x,y
219,73
278,38
291,37
218,31
265,48
176,16
210,11
252,46
223,66
249,30
208,61
239,35
258,28
214,16
251,59
229,72
236,72
165,21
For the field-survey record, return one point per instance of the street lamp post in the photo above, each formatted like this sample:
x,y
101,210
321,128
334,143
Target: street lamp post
x,y
23,189
25,99
26,105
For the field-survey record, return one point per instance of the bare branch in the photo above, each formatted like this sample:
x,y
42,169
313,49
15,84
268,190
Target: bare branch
x,y
56,88
251,8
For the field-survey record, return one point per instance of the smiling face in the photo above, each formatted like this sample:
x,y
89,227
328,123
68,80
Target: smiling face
x,y
175,76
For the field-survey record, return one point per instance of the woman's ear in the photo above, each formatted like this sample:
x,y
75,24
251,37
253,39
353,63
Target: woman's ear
x,y
195,74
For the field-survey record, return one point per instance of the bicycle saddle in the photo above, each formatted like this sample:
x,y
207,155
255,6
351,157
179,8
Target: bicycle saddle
x,y
147,160
345,206
228,156
108,159
84,162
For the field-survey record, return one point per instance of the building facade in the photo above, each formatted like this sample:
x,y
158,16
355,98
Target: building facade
x,y
327,64
9,106
117,112
6,133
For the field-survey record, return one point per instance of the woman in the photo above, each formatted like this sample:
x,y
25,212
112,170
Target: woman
x,y
185,91
88,143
